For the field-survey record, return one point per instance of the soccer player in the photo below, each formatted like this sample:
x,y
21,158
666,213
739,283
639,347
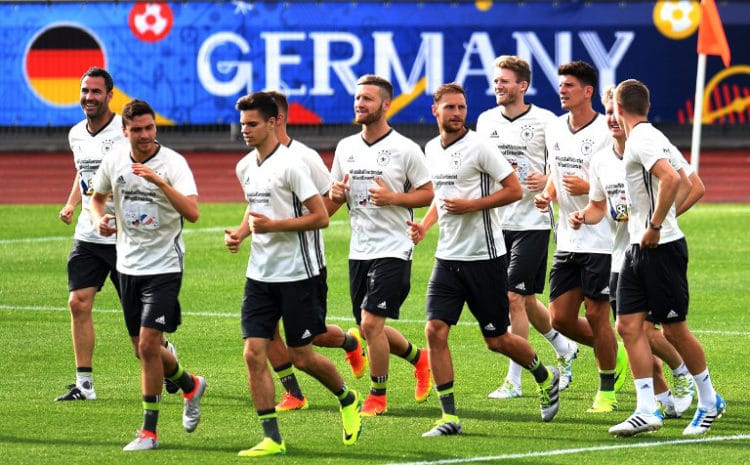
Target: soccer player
x,y
471,179
607,195
382,177
581,264
153,192
653,279
335,337
517,128
284,279
93,256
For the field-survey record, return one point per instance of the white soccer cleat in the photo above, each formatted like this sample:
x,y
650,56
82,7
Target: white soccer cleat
x,y
191,413
703,419
565,365
508,390
638,423
145,440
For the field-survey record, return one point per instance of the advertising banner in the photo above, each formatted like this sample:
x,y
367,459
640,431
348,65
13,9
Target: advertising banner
x,y
192,60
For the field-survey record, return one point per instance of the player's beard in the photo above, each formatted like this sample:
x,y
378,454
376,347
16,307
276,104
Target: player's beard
x,y
369,118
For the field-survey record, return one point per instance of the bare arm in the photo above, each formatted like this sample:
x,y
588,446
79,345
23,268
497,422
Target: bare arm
x,y
317,218
186,205
101,221
74,198
593,213
415,198
669,183
234,237
548,194
418,231
510,193
697,190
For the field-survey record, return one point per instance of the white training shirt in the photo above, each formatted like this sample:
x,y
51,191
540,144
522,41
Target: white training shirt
x,y
645,146
570,154
521,140
607,182
88,150
277,188
469,168
321,178
379,232
149,228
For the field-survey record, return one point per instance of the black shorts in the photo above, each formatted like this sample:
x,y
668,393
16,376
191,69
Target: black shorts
x,y
301,305
151,301
89,264
379,286
655,281
482,285
527,260
614,277
588,271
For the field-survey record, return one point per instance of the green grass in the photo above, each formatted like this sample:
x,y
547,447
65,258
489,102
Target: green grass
x,y
38,363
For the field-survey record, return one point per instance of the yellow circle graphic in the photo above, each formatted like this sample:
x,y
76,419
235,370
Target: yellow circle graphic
x,y
483,5
677,19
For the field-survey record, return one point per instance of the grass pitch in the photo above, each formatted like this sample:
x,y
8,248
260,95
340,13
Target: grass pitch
x,y
38,363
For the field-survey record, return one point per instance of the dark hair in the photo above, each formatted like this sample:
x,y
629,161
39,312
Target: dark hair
x,y
95,71
280,100
581,70
386,87
135,108
450,88
261,101
633,96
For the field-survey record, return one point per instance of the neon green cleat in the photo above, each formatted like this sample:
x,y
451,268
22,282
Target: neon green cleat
x,y
448,425
351,420
604,402
621,367
265,447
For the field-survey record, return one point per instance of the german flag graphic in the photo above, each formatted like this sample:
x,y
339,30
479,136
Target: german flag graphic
x,y
57,59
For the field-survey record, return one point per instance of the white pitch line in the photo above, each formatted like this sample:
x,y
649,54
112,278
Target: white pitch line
x,y
28,240
41,308
578,450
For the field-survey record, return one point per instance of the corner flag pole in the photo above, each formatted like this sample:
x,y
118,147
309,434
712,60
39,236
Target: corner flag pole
x,y
695,143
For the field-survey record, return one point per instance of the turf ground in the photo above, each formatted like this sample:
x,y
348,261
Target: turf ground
x,y
38,363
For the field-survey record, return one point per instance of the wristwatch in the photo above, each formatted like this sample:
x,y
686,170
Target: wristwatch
x,y
654,226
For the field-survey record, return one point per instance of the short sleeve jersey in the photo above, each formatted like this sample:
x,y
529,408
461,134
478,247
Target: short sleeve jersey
x,y
321,178
277,188
607,182
521,140
469,168
570,153
88,150
379,231
645,146
149,228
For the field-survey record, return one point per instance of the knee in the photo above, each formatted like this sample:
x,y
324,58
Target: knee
x,y
627,329
253,357
436,334
79,305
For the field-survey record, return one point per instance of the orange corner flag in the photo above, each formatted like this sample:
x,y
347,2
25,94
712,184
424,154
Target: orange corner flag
x,y
711,37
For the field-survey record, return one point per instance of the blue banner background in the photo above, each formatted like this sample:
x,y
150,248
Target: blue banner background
x,y
190,81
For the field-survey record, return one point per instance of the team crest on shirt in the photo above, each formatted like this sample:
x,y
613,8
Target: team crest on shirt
x,y
527,132
384,157
456,160
587,147
107,145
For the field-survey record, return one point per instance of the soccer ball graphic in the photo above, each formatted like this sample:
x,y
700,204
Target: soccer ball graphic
x,y
676,19
151,22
